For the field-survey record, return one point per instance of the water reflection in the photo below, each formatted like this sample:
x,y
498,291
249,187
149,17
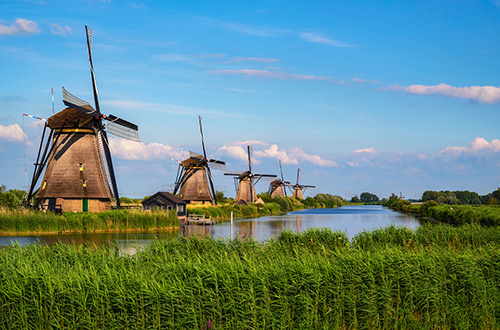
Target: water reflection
x,y
349,219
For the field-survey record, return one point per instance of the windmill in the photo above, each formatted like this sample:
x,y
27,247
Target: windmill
x,y
277,187
79,173
246,181
194,176
297,188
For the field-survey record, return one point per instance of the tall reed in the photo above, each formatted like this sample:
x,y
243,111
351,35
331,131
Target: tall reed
x,y
313,280
19,222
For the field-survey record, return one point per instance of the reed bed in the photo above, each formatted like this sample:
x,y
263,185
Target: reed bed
x,y
28,221
313,280
223,212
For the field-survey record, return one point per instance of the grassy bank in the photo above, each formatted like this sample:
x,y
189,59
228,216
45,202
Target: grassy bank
x,y
485,215
28,221
388,279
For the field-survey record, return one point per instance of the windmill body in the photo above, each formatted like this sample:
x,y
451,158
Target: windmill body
x,y
194,186
277,187
75,178
194,182
245,193
298,188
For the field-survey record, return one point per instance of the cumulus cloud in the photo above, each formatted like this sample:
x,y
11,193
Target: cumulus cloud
x,y
478,145
481,94
320,39
20,27
280,75
59,30
293,156
235,151
12,133
125,149
366,150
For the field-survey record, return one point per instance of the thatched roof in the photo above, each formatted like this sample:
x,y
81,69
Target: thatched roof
x,y
63,177
77,119
194,185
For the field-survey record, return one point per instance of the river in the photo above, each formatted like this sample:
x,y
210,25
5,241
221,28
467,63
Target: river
x,y
349,219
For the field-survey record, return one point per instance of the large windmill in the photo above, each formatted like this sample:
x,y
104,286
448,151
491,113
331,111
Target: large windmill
x,y
298,188
79,173
194,177
277,187
246,181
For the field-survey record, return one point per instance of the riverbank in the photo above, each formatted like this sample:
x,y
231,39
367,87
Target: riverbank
x,y
484,215
438,277
29,222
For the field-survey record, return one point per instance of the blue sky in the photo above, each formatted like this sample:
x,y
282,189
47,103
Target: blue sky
x,y
377,96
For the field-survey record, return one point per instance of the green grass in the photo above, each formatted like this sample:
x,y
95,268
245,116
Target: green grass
x,y
19,222
389,279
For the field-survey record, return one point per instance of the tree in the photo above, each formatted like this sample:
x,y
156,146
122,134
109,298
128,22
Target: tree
x,y
366,197
355,199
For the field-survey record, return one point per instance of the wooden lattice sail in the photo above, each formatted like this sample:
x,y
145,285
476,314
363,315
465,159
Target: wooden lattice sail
x,y
194,183
79,173
245,193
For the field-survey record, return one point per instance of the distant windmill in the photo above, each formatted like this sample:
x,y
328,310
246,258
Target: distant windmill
x,y
245,192
79,174
298,188
277,188
194,176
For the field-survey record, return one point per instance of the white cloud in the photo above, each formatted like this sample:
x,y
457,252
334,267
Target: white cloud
x,y
126,149
366,150
320,39
481,94
59,30
20,27
478,145
234,151
136,5
293,156
12,133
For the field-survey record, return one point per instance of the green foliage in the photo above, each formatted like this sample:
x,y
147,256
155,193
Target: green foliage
x,y
265,197
128,200
355,199
438,277
367,197
11,199
220,198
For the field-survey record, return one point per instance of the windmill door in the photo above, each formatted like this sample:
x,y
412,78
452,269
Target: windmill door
x,y
85,205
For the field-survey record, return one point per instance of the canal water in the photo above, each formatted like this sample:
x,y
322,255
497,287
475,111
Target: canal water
x,y
349,219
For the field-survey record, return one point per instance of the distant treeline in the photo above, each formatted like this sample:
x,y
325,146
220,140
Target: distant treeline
x,y
461,197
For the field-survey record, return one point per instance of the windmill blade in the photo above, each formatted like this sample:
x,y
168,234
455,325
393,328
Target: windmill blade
x,y
123,128
202,139
232,173
306,186
90,34
76,103
249,159
266,175
217,165
211,181
194,155
281,170
298,175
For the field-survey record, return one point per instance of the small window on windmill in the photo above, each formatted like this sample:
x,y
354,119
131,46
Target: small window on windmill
x,y
81,167
84,183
